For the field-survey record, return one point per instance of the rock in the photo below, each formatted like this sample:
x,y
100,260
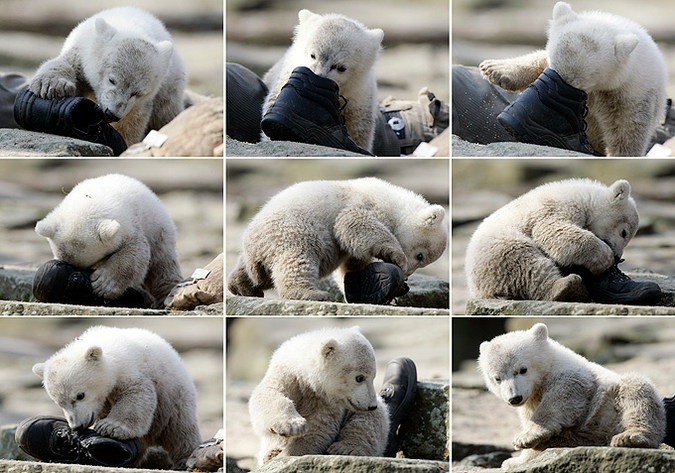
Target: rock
x,y
425,432
333,463
16,142
465,148
197,131
426,293
282,148
600,459
511,307
17,466
8,447
16,284
238,305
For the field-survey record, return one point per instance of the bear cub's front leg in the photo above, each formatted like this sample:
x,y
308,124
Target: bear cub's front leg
x,y
517,73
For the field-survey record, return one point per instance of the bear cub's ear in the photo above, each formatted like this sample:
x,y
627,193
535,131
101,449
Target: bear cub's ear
x,y
44,228
433,215
329,348
39,369
540,331
93,354
620,189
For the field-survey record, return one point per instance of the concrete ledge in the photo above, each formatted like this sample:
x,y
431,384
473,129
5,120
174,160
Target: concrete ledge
x,y
511,307
601,459
18,466
335,463
238,305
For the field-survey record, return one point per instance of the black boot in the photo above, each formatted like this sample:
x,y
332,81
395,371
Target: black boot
x,y
58,282
307,111
398,393
50,439
669,404
377,283
549,112
76,117
615,287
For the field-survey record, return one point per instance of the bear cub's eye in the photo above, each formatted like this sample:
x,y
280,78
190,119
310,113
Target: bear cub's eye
x,y
313,56
420,257
523,370
498,379
360,378
624,233
111,80
80,396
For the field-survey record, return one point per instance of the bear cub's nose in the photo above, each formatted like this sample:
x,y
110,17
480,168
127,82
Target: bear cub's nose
x,y
515,400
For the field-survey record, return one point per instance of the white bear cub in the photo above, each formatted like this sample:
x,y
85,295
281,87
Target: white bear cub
x,y
116,225
128,383
312,228
340,49
125,59
528,249
565,400
318,398
613,60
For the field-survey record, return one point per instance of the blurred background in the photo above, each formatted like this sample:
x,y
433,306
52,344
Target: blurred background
x,y
190,189
25,341
252,340
481,186
496,29
251,182
416,38
32,31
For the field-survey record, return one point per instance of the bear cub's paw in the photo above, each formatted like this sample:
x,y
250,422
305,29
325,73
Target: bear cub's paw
x,y
505,73
532,437
631,438
53,83
114,429
106,284
348,448
290,428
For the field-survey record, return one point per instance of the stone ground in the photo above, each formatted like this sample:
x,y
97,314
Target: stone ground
x,y
483,423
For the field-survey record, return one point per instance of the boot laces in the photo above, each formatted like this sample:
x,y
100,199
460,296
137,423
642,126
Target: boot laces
x,y
66,443
345,103
617,274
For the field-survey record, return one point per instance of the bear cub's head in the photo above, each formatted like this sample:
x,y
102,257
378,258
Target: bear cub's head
x,y
337,47
589,50
512,363
348,369
423,237
130,69
614,219
77,378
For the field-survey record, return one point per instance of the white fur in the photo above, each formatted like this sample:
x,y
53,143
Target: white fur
x,y
317,397
518,251
126,383
341,49
117,225
565,400
123,57
611,58
312,228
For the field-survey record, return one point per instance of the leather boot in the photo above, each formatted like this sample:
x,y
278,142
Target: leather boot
x,y
75,117
549,112
307,111
377,283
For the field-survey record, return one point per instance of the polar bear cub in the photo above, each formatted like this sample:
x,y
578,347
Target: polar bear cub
x,y
340,49
524,249
318,397
123,57
128,383
312,228
613,60
565,400
116,225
